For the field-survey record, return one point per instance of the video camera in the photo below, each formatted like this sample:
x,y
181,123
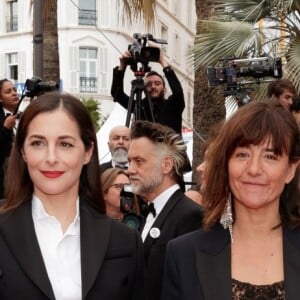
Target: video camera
x,y
142,53
229,71
127,207
35,87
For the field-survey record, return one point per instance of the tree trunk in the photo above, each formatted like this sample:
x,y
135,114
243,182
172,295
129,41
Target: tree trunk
x,y
209,107
50,42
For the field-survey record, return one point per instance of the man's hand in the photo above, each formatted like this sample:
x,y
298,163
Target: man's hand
x,y
162,58
124,59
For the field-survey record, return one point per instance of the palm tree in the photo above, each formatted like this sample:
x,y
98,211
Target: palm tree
x,y
48,54
45,50
208,104
234,28
250,29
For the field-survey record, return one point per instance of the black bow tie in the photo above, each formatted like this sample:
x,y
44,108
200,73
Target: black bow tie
x,y
151,209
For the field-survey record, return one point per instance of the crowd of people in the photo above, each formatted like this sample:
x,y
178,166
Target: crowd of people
x,y
63,233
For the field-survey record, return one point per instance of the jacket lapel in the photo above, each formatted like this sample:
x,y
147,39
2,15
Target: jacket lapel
x,y
17,230
291,257
161,218
214,265
95,232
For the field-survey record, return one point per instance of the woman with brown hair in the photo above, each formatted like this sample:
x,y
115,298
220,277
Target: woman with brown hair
x,y
55,240
113,180
249,246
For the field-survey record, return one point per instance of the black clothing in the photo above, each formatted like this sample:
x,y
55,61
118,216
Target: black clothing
x,y
106,165
247,291
198,266
180,215
111,258
166,111
6,140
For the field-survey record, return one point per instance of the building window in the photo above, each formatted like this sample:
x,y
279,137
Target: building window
x,y
12,64
87,12
88,70
12,16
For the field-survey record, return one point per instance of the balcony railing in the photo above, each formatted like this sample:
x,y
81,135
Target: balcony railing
x,y
88,84
87,17
11,23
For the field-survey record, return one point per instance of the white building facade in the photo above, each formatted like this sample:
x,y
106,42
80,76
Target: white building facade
x,y
92,37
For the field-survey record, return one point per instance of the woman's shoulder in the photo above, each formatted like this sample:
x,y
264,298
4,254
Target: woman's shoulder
x,y
212,240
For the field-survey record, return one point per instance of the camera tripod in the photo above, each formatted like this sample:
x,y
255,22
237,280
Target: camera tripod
x,y
137,89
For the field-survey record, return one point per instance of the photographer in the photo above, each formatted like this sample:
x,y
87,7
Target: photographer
x,y
9,100
166,111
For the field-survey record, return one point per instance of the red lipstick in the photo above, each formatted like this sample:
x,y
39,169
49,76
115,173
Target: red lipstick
x,y
52,174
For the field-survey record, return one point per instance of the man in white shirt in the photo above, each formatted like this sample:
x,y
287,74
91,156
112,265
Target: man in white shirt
x,y
157,157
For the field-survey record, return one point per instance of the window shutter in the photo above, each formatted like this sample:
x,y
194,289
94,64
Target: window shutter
x,y
102,64
74,69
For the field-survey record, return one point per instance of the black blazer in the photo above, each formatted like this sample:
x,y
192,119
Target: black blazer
x,y
198,266
106,165
180,215
6,140
111,258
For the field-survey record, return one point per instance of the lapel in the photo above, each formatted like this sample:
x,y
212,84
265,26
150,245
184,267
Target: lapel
x,y
162,217
291,255
213,263
17,230
95,230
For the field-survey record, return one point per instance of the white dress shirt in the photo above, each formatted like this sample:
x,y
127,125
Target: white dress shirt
x,y
159,203
60,251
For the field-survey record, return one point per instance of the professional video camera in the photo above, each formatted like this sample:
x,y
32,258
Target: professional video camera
x,y
127,200
253,70
35,86
142,53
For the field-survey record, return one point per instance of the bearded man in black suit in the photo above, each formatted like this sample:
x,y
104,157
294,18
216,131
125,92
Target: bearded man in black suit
x,y
157,157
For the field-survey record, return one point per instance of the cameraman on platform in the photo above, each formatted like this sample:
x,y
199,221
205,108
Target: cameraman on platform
x,y
166,111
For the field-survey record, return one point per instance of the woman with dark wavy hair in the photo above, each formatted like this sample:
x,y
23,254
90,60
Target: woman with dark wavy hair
x,y
249,245
55,240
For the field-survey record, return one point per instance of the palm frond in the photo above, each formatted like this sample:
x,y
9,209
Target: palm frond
x,y
292,67
135,9
224,39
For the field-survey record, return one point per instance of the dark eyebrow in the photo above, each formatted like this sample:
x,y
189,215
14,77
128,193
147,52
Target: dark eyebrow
x,y
38,136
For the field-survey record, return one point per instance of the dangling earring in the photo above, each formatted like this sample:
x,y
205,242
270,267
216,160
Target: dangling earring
x,y
226,218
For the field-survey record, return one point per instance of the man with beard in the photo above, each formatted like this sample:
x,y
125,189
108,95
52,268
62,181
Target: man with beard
x,y
157,156
118,143
166,111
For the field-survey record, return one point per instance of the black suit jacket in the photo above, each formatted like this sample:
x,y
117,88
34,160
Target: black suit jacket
x,y
6,140
180,215
198,266
111,258
105,166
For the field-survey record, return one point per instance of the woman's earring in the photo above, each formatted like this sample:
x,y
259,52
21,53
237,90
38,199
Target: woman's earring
x,y
226,218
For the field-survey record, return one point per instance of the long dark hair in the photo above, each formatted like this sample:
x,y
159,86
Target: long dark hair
x,y
19,186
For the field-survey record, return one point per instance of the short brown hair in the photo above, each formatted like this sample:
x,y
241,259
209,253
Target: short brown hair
x,y
277,87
